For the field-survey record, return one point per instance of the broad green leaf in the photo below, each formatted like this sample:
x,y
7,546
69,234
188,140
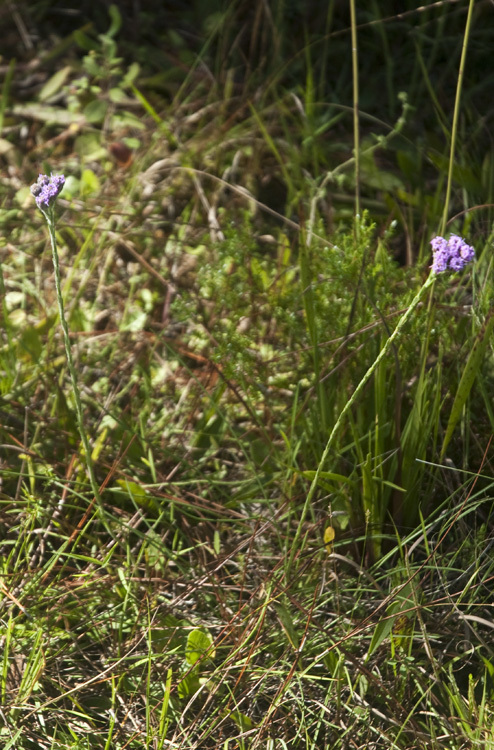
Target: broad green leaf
x,y
472,367
55,83
138,495
95,111
153,553
243,722
199,643
189,685
403,602
126,120
116,95
286,622
135,490
99,444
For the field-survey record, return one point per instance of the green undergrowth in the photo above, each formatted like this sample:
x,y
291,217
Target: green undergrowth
x,y
224,302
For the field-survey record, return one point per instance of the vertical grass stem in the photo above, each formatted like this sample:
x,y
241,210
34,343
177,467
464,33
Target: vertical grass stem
x,y
358,390
356,138
456,115
70,361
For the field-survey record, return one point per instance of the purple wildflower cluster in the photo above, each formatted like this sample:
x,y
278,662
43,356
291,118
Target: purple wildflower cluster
x,y
452,254
47,189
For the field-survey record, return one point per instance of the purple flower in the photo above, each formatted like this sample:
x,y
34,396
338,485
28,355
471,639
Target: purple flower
x,y
452,254
47,189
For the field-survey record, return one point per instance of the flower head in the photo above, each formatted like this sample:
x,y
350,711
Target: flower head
x,y
452,254
47,189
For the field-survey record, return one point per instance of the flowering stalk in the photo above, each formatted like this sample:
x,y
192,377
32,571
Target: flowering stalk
x,y
452,254
456,113
46,191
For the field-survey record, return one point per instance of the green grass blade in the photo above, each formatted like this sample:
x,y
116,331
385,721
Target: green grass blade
x,y
472,367
5,91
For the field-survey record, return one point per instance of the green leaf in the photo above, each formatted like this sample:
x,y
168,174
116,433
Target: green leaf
x,y
135,490
116,95
199,643
136,320
30,343
88,147
153,552
463,175
472,367
327,475
55,83
127,120
373,175
403,602
490,675
286,622
116,20
95,111
89,183
46,113
382,631
137,493
4,98
189,685
84,41
243,722
131,74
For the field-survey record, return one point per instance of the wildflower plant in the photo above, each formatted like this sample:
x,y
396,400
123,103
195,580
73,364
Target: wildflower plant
x,y
452,254
46,191
448,255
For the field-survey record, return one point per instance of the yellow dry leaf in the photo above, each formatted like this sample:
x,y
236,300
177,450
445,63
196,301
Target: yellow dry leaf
x,y
329,535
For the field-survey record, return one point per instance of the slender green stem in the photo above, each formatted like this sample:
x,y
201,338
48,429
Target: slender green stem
x,y
356,139
68,351
456,115
358,390
6,321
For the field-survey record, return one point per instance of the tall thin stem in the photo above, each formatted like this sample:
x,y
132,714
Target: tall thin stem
x,y
70,361
356,137
456,115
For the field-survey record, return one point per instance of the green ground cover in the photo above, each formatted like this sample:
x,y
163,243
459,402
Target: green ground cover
x,y
208,538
